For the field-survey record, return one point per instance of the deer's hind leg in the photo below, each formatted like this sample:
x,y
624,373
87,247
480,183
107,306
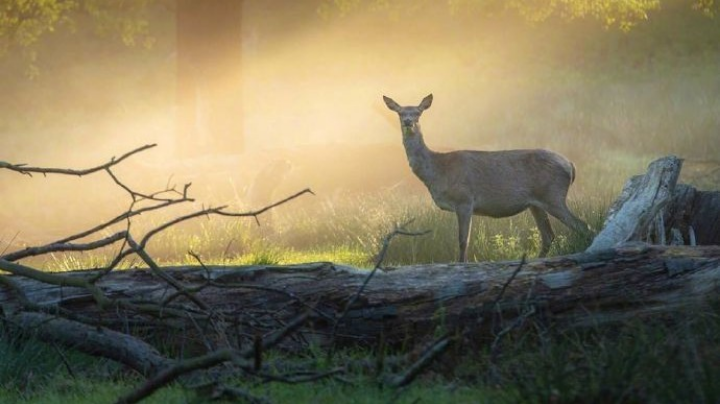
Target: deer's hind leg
x,y
560,210
546,232
464,219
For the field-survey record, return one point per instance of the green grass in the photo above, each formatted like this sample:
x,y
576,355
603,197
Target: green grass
x,y
348,231
668,360
610,101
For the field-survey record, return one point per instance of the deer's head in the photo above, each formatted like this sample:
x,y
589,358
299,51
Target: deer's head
x,y
409,116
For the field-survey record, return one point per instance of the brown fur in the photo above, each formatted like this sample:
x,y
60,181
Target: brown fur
x,y
490,183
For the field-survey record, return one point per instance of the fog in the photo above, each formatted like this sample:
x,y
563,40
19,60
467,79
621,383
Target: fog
x,y
313,114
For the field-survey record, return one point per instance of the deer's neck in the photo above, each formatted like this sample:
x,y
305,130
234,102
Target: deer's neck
x,y
418,154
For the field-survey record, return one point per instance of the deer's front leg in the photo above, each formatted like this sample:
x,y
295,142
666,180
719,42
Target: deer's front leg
x,y
464,218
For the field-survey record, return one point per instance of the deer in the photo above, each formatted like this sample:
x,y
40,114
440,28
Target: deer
x,y
490,183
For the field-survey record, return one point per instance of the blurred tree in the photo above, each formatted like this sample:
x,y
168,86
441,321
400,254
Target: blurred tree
x,y
623,14
209,85
208,39
23,23
209,42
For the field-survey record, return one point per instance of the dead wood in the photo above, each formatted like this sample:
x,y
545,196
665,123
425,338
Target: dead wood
x,y
653,208
405,305
693,216
90,331
233,315
99,341
639,203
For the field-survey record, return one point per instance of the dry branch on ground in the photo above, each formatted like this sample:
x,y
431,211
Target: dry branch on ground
x,y
233,315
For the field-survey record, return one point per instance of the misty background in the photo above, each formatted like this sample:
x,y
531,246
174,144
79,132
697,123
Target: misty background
x,y
312,112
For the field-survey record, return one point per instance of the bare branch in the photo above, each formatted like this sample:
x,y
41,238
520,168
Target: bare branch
x,y
207,361
55,279
155,268
23,169
435,350
57,247
280,335
171,373
114,345
217,211
137,196
301,378
523,261
258,212
125,216
398,231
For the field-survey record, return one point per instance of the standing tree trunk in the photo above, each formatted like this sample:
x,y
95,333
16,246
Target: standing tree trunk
x,y
209,76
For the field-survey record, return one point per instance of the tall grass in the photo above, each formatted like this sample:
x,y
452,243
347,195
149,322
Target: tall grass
x,y
348,229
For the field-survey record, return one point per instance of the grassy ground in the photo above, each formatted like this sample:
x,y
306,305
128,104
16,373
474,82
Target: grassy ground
x,y
347,229
676,359
668,360
612,103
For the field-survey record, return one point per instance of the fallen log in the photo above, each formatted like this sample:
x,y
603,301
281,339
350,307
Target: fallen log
x,y
234,314
402,306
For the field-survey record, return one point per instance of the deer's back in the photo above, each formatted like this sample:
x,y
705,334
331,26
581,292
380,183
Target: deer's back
x,y
500,183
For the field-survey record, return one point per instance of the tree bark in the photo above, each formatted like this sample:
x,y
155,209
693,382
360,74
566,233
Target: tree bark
x,y
641,201
403,306
694,216
654,208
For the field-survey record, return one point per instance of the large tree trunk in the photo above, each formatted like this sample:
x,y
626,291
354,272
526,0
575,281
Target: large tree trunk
x,y
404,305
209,79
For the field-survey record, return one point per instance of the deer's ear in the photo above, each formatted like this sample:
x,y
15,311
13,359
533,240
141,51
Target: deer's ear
x,y
426,102
391,104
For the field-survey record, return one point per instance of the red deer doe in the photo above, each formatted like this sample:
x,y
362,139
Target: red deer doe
x,y
490,183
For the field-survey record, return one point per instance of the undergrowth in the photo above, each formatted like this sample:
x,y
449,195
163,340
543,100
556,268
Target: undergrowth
x,y
668,360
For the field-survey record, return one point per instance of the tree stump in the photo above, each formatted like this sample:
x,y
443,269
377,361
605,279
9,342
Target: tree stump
x,y
653,208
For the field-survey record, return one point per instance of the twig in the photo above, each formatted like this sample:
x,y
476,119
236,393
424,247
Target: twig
x,y
57,247
528,312
301,378
258,212
217,211
138,196
155,268
432,352
510,279
171,373
65,361
9,243
226,392
125,216
398,231
280,335
23,169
